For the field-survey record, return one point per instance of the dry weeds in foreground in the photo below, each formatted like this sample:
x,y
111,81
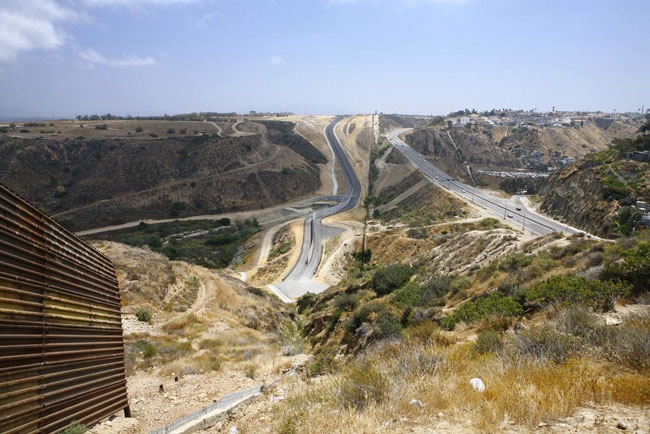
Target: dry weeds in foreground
x,y
375,393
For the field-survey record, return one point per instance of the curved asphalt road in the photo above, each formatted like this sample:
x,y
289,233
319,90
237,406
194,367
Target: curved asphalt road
x,y
298,281
513,210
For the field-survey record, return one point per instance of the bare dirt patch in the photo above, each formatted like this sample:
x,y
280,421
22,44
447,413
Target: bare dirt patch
x,y
224,340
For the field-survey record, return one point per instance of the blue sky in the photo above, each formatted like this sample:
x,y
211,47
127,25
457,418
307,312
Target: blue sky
x,y
141,57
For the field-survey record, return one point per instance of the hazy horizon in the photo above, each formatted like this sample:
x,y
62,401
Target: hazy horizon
x,y
61,58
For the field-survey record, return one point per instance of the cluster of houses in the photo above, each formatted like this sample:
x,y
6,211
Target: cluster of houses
x,y
532,118
643,207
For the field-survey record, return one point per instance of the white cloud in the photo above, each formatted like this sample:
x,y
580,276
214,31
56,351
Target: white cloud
x,y
276,60
135,3
93,56
412,2
32,25
28,25
437,1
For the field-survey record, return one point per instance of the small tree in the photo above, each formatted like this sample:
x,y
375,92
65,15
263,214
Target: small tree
x,y
171,131
139,129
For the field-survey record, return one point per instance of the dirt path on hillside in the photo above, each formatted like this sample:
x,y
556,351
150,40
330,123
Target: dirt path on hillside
x,y
219,129
277,153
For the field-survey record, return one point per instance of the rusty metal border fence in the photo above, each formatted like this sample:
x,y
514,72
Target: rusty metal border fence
x,y
61,342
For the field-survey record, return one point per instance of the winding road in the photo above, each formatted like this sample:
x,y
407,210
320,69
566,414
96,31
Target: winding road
x,y
513,210
299,280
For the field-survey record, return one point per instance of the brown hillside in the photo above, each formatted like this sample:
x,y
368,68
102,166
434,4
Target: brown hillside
x,y
211,332
509,149
94,182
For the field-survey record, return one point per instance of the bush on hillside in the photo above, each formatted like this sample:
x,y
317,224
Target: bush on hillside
x,y
631,266
305,301
495,306
388,279
346,301
387,326
143,314
598,294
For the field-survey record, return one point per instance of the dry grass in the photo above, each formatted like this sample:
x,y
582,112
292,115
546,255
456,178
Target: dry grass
x,y
374,393
144,276
119,128
197,364
188,325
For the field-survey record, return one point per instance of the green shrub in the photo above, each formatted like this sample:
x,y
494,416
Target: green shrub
x,y
346,302
388,279
633,269
334,320
387,326
515,262
292,340
361,314
154,242
495,306
147,348
362,256
305,301
573,289
407,297
489,223
430,294
256,291
143,314
75,428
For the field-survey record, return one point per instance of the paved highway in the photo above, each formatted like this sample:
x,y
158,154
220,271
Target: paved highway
x,y
513,210
299,280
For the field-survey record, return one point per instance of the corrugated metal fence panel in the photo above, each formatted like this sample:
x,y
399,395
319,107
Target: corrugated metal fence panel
x,y
61,343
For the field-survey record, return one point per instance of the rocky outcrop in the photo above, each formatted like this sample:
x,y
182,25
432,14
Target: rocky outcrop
x,y
454,149
503,149
575,195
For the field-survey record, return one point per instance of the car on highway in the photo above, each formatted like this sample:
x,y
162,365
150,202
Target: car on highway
x,y
518,208
510,216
